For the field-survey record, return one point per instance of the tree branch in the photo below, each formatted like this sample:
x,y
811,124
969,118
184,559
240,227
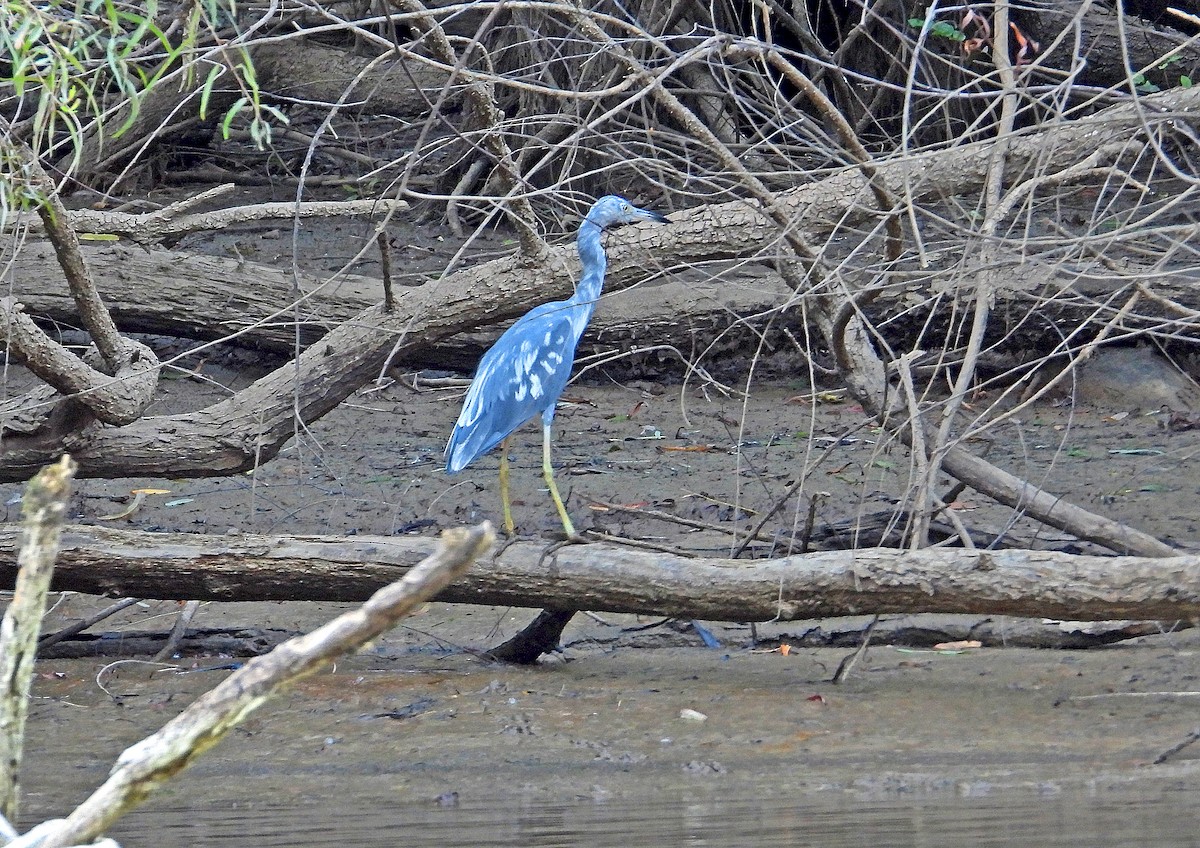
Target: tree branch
x,y
44,505
610,578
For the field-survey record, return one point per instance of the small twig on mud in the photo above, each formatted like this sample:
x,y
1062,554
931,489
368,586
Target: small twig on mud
x,y
182,623
674,519
601,359
636,543
795,487
845,666
80,626
424,384
385,268
1192,737
108,668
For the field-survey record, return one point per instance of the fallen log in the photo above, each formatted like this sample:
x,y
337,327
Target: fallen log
x,y
610,578
251,304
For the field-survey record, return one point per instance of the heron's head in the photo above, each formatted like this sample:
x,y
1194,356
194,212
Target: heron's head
x,y
611,210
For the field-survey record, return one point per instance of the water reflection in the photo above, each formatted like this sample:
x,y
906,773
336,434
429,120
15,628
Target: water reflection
x,y
1164,818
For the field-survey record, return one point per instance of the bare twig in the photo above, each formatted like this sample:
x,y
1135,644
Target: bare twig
x,y
481,96
182,622
80,626
848,663
169,222
385,269
55,218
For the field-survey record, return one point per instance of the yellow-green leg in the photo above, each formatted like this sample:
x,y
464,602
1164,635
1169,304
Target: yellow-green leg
x,y
548,474
509,527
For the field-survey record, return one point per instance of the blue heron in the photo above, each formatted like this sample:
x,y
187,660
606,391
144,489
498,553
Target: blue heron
x,y
527,368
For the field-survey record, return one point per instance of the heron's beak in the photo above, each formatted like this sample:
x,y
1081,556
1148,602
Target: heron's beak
x,y
651,215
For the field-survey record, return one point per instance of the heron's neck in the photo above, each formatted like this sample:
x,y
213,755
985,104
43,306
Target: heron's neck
x,y
591,256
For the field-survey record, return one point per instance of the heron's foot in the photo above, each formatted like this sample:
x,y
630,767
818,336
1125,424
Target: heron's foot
x,y
572,538
504,545
554,547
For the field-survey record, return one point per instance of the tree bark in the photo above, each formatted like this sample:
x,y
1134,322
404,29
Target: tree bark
x,y
300,68
607,578
200,293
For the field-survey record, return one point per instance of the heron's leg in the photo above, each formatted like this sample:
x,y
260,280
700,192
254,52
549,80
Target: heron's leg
x,y
548,474
509,527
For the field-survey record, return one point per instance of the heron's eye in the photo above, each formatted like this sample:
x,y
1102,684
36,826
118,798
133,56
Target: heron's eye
x,y
625,207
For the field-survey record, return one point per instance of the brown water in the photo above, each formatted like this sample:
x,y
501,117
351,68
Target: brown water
x,y
420,745
1095,818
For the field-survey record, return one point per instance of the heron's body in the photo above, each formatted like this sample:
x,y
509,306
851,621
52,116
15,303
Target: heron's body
x,y
527,368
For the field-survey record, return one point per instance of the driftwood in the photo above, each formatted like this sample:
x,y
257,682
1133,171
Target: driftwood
x,y
616,579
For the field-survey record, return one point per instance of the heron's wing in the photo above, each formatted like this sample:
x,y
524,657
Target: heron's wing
x,y
522,374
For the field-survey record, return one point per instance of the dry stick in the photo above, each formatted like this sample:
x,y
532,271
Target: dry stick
x,y
182,622
43,507
679,519
385,269
848,663
791,490
153,226
80,626
925,472
1187,740
145,767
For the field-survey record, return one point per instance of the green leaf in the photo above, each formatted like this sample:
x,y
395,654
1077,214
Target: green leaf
x,y
1185,81
206,91
945,29
233,112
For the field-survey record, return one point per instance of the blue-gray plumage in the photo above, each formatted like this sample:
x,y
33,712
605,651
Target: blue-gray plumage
x,y
527,368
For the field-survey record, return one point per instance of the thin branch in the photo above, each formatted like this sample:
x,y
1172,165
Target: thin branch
x,y
55,218
169,222
43,506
